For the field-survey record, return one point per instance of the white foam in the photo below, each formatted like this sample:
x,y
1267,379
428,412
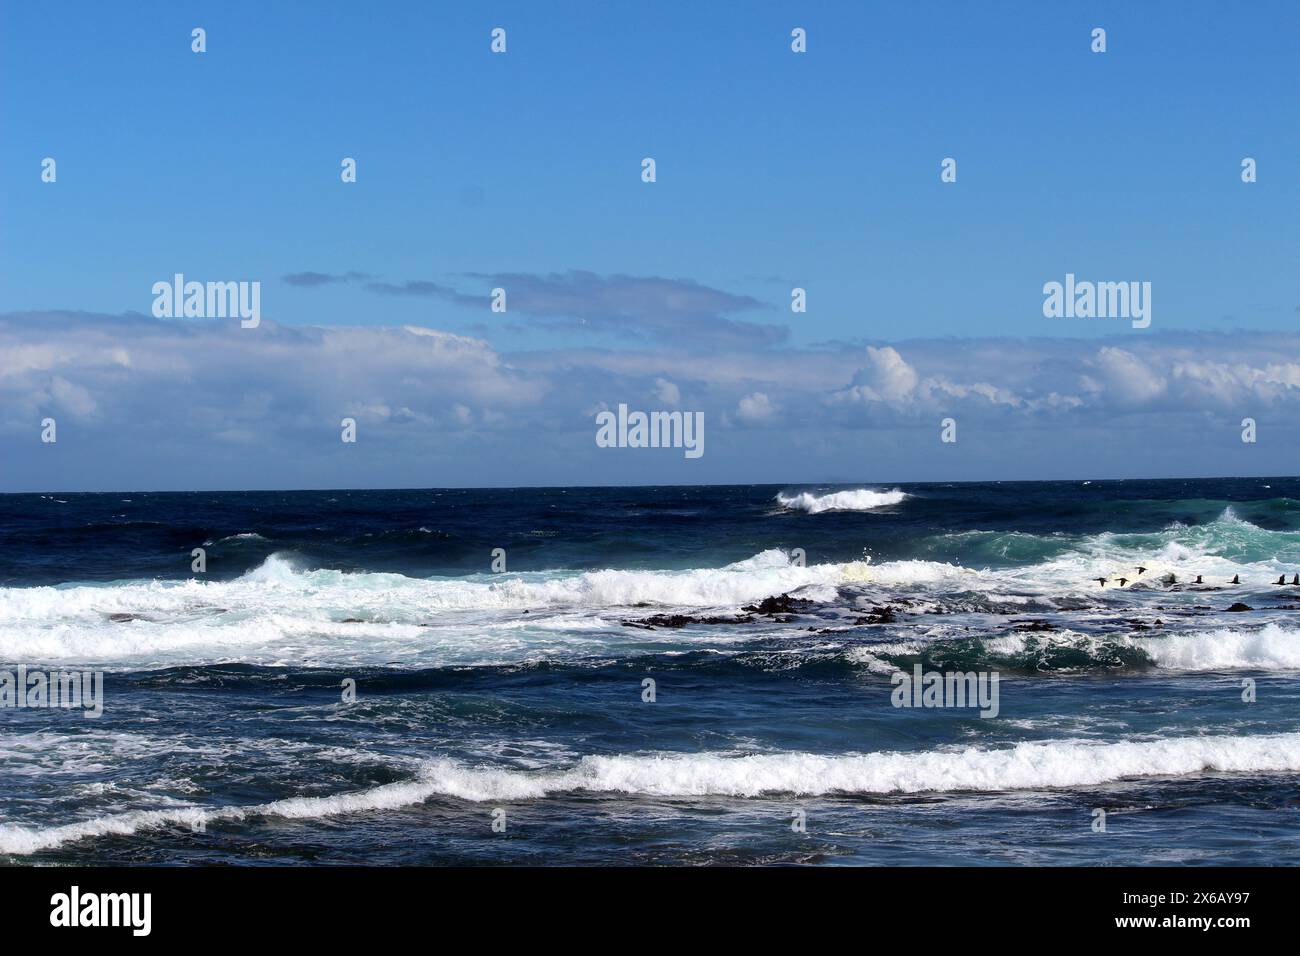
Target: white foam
x,y
282,611
927,573
1027,766
1271,648
1038,765
279,611
859,499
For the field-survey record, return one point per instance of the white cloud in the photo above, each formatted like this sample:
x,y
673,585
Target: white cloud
x,y
1225,384
885,378
214,377
755,408
667,392
72,398
432,401
889,379
1126,377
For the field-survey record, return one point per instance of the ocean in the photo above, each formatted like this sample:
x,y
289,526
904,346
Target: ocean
x,y
658,675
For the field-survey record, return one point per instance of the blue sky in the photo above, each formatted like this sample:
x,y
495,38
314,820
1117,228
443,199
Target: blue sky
x,y
523,170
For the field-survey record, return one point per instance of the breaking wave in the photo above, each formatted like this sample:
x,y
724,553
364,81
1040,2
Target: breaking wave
x,y
335,611
1042,765
1270,648
860,499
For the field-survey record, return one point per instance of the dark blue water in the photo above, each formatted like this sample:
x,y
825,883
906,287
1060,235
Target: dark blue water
x,y
504,715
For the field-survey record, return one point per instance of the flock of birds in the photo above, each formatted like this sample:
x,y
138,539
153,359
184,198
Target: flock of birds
x,y
1171,579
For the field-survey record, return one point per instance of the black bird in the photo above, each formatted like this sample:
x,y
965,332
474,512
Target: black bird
x,y
1123,581
1103,581
1282,579
1295,579
1198,579
1140,571
1235,579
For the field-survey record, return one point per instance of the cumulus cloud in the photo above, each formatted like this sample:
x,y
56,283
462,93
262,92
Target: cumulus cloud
x,y
209,377
1125,377
667,392
885,378
1227,383
755,408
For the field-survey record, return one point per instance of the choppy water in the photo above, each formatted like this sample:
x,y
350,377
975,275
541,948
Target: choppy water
x,y
224,736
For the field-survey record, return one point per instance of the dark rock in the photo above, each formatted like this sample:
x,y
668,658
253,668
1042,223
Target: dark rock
x,y
778,605
1241,607
682,620
1035,626
878,615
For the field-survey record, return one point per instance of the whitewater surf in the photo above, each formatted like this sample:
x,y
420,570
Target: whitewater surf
x,y
350,677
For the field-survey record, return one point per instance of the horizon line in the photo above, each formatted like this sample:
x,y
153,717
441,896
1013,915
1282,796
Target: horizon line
x,y
712,484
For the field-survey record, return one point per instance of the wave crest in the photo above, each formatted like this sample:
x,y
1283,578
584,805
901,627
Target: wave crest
x,y
1270,648
1039,765
859,499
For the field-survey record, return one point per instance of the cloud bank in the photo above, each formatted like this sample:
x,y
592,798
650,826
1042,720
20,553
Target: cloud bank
x,y
149,403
